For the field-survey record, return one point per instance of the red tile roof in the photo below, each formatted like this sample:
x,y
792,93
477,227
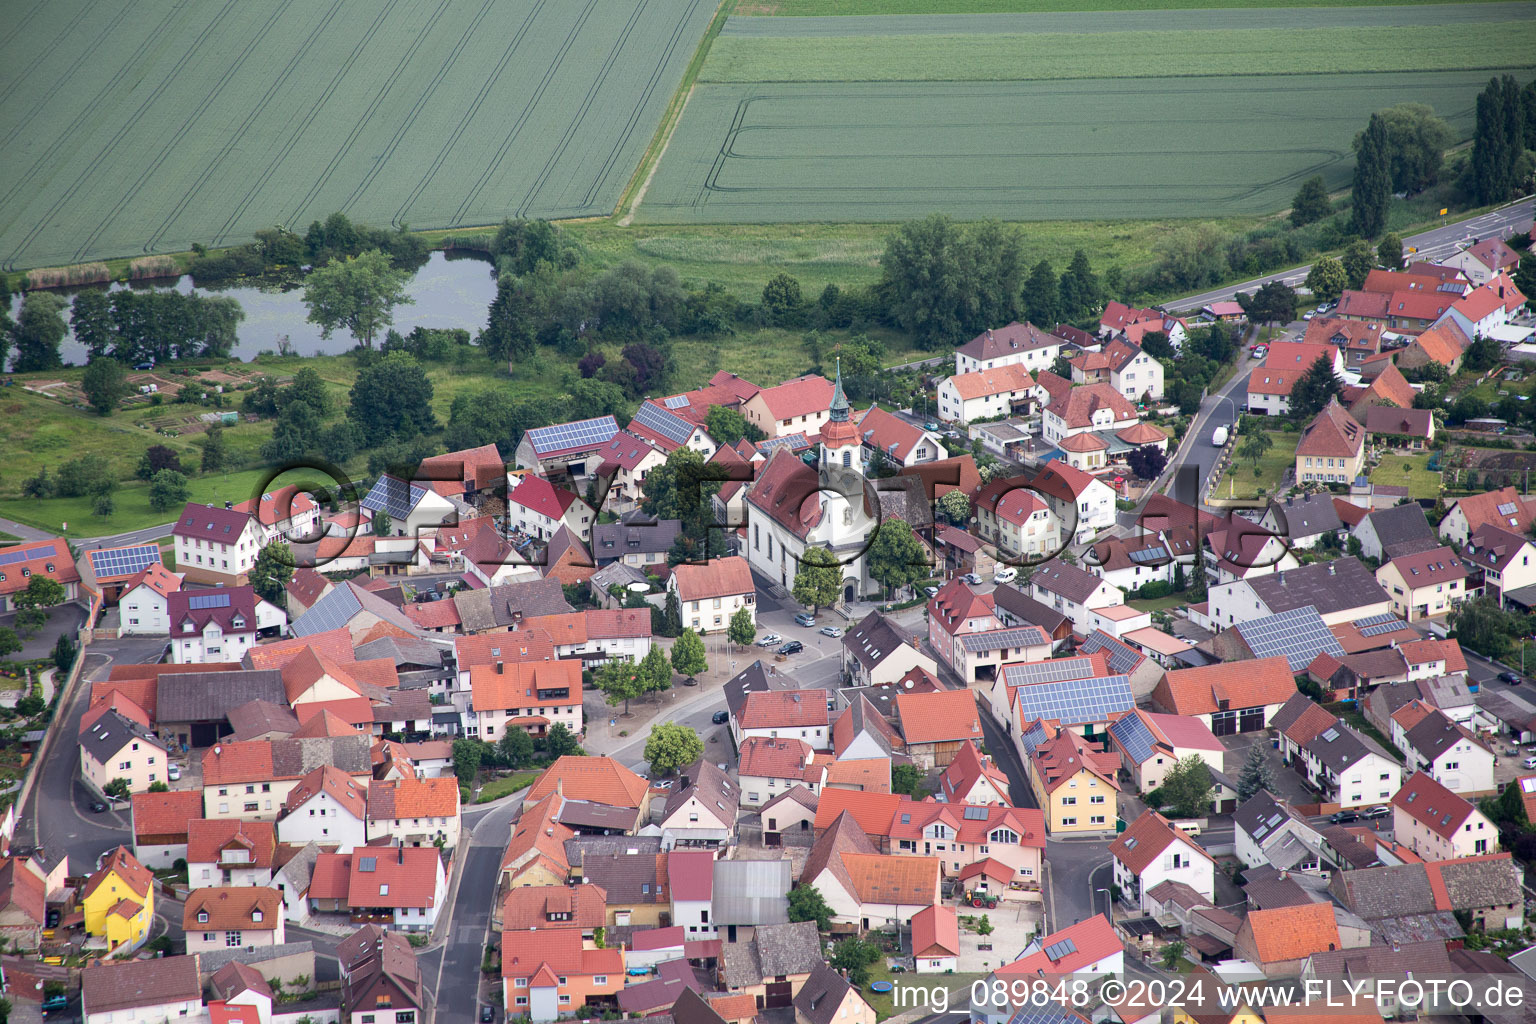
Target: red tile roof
x,y
935,932
489,648
340,786
691,874
529,907
881,879
128,870
1066,755
36,558
1484,508
399,876
598,779
1092,940
206,837
278,506
802,396
233,908
1084,400
783,709
560,952
1438,565
334,644
1332,433
872,812
1239,684
539,495
413,798
166,814
938,717
211,523
1000,380
1293,933
718,577
767,758
1432,805
1145,840
516,685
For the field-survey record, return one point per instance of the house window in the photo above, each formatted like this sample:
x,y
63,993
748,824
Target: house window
x,y
231,938
1069,821
599,979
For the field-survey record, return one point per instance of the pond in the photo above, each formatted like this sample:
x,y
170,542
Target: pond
x,y
448,293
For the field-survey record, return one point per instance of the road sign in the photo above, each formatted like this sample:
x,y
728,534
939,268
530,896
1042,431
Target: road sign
x,y
1444,210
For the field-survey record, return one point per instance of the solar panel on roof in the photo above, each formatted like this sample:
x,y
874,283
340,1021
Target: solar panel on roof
x,y
656,419
1508,508
107,563
208,601
1383,627
577,434
367,863
677,402
1375,620
332,611
1298,635
1076,701
394,496
1026,673
1057,950
975,814
1134,737
1122,659
10,557
1144,555
995,639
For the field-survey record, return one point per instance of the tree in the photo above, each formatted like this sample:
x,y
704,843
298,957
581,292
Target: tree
x,y
984,926
29,621
155,458
1256,774
118,789
37,333
619,681
906,778
655,671
105,384
515,748
1372,189
727,426
359,294
1416,141
742,629
943,283
1275,301
1390,252
10,643
271,572
1187,787
1525,278
1359,259
671,746
853,957
466,760
1498,141
1147,462
1483,354
955,507
1485,627
561,742
382,525
41,592
1172,954
215,450
30,706
896,557
1314,389
64,651
1081,292
1157,345
1311,202
1326,279
818,579
392,400
308,387
104,505
1254,445
783,305
688,655
167,490
806,903
1041,298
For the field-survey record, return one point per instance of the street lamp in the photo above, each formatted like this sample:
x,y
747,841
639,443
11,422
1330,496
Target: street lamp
x,y
1109,903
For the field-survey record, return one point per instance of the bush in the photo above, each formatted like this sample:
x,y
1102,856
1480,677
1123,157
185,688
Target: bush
x,y
1154,590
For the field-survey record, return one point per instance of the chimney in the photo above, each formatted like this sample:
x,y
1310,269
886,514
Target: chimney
x,y
400,857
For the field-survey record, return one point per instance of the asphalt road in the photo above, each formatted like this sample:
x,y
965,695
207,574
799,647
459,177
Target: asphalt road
x,y
1432,245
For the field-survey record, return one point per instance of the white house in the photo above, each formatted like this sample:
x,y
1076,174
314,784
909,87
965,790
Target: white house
x,y
986,394
327,807
787,714
935,940
858,883
1479,263
692,877
876,651
1267,831
229,852
1083,504
216,545
414,508
218,625
1017,520
1018,344
1072,591
900,443
1128,369
144,608
1446,751
1084,408
142,991
1437,824
1508,560
1087,949
701,809
1150,852
286,514
527,695
539,509
710,593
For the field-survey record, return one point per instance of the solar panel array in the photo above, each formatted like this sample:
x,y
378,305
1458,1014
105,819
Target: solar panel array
x,y
332,611
676,402
25,555
394,496
200,601
1298,635
1153,554
1375,620
1122,659
1031,738
1383,627
657,420
1042,1015
1025,673
1057,950
1134,737
109,563
975,814
578,434
993,639
1508,508
1076,701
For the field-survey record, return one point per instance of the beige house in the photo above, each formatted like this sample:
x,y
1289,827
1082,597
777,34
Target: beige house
x,y
1437,824
709,594
799,406
1508,560
216,545
114,746
233,918
1425,584
1332,447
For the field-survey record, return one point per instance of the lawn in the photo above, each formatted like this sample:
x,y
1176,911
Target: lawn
x,y
884,1003
153,129
1411,472
1161,604
498,788
133,511
1240,480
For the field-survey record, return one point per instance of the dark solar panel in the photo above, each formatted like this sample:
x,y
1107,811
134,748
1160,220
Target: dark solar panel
x,y
577,434
208,601
1134,736
657,420
1298,635
112,562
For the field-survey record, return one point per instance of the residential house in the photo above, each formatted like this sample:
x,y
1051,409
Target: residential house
x,y
401,885
216,545
1229,698
118,901
1088,949
1332,447
771,964
1357,340
23,905
1081,503
1150,744
973,778
1132,324
710,593
701,809
1123,364
229,852
966,634
877,652
539,509
1072,591
597,780
900,443
1436,824
826,997
1504,508
528,695
1270,385
793,811
935,725
582,907
162,989
864,887
691,874
328,807
1347,767
1449,753
627,461
1412,429
1010,515
229,917
1425,584
1340,590
1150,852
572,449
250,780
669,430
635,883
1269,832
986,394
798,406
218,625
1074,784
634,540
1083,408
1483,261
1305,520
115,746
549,974
1018,344
1445,342
1403,900
1241,549
159,822
1389,533
414,812
935,939
791,714
381,980
1280,940
144,608
1508,560
770,767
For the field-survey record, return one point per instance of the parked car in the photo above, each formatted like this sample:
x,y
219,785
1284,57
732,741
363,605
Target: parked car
x,y
1512,678
1341,817
831,631
690,681
769,640
931,591
173,772
1529,762
487,1014
930,425
1005,574
97,807
972,578
793,647
806,619
720,717
1376,812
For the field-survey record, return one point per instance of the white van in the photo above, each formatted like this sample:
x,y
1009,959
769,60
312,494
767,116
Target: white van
x,y
1219,438
1189,826
1005,574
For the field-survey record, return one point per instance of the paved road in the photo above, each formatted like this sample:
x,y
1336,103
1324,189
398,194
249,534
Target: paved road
x,y
1078,867
1432,245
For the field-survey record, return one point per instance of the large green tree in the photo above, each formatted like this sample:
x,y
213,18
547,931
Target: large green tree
x,y
1311,202
105,384
1326,279
1042,296
1187,787
1254,445
392,399
1416,141
1314,389
1372,189
619,681
1390,252
1274,302
944,283
358,293
742,629
1256,774
818,579
215,450
1498,141
807,904
1082,293
168,490
688,655
655,671
272,571
1358,260
1525,278
670,746
896,557
41,592
37,333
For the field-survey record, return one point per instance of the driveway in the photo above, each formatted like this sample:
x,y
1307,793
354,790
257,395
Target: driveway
x,y
63,619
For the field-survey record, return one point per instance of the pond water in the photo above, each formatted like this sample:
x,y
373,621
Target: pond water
x,y
448,293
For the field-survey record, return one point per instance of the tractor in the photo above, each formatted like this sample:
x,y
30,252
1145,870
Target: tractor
x,y
981,900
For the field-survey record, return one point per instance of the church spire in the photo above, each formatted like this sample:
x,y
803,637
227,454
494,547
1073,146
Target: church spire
x,y
839,406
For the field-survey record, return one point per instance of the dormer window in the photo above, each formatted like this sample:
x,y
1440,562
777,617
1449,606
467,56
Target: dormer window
x,y
187,627
202,917
255,915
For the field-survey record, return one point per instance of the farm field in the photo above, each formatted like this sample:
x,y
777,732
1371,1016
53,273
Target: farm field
x,y
149,127
1088,149
845,8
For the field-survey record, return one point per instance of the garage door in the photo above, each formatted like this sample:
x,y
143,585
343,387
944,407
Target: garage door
x,y
1252,720
1224,723
779,994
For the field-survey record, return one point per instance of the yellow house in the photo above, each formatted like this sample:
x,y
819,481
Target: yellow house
x,y
119,901
1075,785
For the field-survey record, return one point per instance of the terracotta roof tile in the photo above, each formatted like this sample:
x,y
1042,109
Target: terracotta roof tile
x,y
414,798
166,814
1145,840
1241,684
719,577
783,709
938,717
233,908
598,779
1292,933
206,837
878,878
